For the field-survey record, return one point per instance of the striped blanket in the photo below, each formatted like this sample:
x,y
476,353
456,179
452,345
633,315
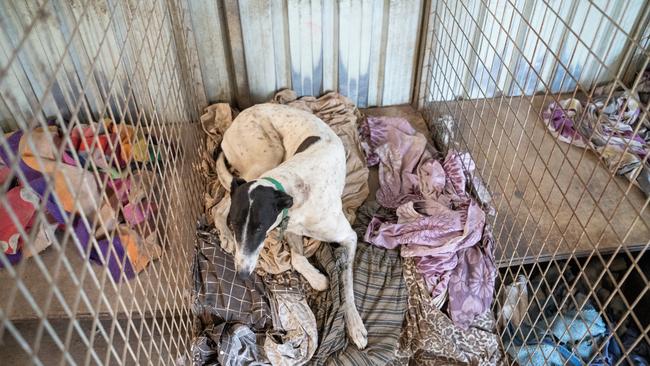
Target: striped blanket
x,y
380,294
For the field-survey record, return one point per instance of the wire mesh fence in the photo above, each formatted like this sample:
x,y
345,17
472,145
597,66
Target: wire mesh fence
x,y
550,99
98,195
98,104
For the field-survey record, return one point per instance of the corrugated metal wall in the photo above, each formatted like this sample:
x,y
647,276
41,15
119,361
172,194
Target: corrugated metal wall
x,y
87,60
243,51
550,46
366,49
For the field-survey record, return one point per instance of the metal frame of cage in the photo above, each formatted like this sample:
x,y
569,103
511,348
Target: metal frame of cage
x,y
135,62
495,122
124,61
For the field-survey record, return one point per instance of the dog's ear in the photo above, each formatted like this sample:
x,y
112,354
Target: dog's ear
x,y
236,182
283,200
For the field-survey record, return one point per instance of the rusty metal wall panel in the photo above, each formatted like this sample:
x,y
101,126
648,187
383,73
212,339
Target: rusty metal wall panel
x,y
524,47
64,59
366,49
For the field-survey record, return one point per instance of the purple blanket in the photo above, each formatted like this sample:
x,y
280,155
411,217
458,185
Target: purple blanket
x,y
437,221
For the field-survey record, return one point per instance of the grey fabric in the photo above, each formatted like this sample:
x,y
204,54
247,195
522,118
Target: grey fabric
x,y
204,347
326,305
294,337
239,347
221,296
227,345
231,315
380,296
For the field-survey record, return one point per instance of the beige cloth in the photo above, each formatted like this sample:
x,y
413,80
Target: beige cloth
x,y
343,117
75,188
294,337
335,110
44,238
275,256
215,121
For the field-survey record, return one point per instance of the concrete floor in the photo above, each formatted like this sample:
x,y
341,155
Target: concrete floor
x,y
161,290
552,199
108,342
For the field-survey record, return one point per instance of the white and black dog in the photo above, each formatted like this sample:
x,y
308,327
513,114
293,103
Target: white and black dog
x,y
289,163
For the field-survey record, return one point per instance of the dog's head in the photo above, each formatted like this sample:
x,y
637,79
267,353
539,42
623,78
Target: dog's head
x,y
255,210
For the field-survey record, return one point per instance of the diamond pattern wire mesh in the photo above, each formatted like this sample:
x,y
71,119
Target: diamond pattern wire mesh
x,y
564,223
567,227
112,73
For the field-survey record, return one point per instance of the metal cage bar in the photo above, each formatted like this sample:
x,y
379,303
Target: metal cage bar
x,y
100,150
106,112
493,68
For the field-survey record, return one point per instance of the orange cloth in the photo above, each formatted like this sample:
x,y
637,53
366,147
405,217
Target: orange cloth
x,y
82,186
140,250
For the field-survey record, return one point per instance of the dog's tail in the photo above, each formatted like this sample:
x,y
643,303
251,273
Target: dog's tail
x,y
225,177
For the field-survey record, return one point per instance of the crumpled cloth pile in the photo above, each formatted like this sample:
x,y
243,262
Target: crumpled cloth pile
x,y
399,242
436,221
443,132
278,319
429,337
612,128
562,326
230,313
63,172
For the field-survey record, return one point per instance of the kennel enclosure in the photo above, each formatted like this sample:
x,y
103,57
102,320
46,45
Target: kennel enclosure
x,y
490,68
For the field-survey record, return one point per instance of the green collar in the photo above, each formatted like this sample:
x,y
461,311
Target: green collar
x,y
279,187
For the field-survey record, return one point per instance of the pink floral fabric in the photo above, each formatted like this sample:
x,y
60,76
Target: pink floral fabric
x,y
398,148
471,282
438,223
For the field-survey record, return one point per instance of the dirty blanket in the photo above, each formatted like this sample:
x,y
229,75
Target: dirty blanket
x,y
611,127
437,222
230,313
429,337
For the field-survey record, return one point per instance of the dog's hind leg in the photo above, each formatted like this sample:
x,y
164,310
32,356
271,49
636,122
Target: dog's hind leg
x,y
356,329
316,279
343,234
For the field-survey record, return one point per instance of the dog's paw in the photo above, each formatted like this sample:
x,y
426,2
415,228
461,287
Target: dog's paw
x,y
227,243
318,281
356,330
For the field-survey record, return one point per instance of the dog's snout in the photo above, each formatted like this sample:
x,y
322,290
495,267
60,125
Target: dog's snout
x,y
243,274
244,269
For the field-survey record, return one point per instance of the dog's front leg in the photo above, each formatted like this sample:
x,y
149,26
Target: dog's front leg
x,y
220,214
298,260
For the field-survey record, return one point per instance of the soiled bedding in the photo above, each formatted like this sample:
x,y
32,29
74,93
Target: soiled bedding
x,y
423,288
230,314
438,223
278,319
380,296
